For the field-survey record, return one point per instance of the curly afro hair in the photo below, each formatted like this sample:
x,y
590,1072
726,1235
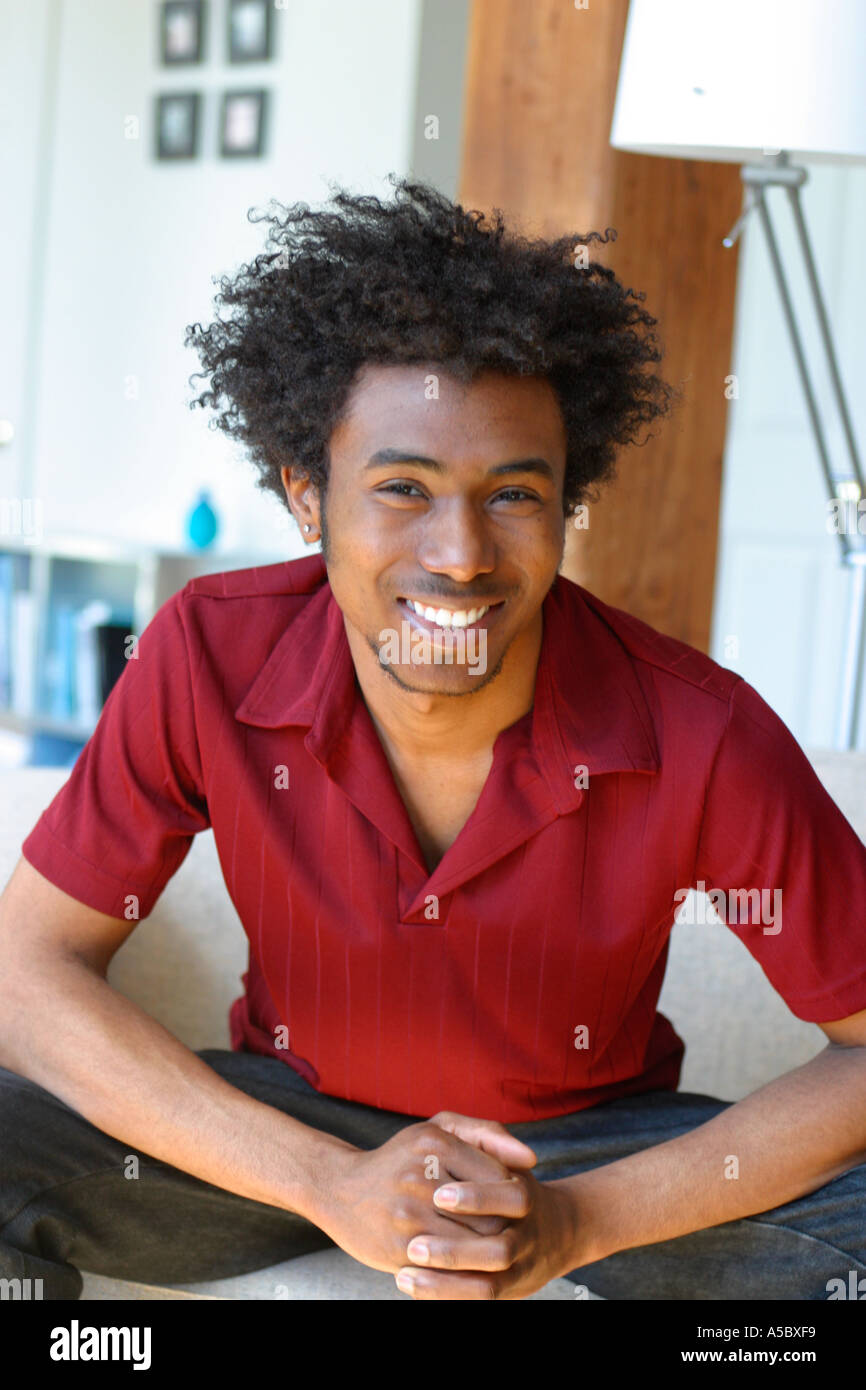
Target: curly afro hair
x,y
422,280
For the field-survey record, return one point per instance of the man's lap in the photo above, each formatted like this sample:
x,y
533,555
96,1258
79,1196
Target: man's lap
x,y
172,1226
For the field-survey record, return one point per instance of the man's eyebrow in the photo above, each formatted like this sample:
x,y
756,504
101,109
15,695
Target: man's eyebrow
x,y
527,465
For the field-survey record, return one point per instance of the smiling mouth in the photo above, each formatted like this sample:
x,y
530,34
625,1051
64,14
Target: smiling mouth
x,y
450,617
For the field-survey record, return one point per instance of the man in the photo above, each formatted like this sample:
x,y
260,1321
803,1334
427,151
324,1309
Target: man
x,y
457,873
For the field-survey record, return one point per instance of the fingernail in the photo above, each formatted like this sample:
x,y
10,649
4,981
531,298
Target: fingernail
x,y
418,1250
446,1196
405,1282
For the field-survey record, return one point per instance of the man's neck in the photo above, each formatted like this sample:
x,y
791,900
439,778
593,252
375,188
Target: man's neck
x,y
447,728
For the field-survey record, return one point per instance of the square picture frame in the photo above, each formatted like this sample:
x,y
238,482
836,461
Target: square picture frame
x,y
181,32
250,36
243,124
177,123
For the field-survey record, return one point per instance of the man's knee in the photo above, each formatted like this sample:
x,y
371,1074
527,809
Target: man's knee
x,y
43,1141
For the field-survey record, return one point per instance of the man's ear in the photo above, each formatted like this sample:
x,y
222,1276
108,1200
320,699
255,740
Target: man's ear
x,y
302,496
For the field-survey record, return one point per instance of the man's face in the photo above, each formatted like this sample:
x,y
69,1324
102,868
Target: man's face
x,y
479,524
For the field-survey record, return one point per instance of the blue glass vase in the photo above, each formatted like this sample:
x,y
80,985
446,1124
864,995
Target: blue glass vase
x,y
202,524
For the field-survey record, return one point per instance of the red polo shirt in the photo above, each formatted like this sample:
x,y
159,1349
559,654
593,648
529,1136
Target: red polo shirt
x,y
520,978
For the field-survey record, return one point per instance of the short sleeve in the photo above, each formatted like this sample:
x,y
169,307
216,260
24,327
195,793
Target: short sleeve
x,y
770,825
124,820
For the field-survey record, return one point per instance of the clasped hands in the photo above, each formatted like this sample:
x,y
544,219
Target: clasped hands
x,y
450,1207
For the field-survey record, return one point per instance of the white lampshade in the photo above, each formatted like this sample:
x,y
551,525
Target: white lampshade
x,y
737,79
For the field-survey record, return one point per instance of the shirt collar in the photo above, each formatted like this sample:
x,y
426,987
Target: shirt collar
x,y
589,711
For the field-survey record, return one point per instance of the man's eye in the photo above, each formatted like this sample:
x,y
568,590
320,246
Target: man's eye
x,y
398,488
511,494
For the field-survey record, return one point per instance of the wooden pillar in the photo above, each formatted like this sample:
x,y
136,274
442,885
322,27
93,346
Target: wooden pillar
x,y
541,84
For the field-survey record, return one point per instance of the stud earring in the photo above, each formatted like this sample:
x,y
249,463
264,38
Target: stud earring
x,y
306,526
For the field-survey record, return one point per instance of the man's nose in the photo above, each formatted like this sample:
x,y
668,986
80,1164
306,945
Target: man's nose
x,y
458,540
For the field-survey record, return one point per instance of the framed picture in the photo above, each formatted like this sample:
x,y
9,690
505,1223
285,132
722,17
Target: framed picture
x,y
182,32
242,127
250,35
177,125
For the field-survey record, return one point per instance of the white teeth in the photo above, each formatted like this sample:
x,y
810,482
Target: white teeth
x,y
442,617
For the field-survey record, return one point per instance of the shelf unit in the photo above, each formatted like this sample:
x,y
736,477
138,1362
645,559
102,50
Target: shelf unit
x,y
45,588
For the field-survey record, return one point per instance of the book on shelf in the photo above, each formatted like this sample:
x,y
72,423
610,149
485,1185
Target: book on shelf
x,y
7,585
88,620
111,655
22,644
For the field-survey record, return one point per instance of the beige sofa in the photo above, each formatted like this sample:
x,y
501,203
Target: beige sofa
x,y
183,964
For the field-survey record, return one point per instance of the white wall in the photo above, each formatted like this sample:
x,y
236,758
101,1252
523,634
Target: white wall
x,y
132,244
781,591
27,81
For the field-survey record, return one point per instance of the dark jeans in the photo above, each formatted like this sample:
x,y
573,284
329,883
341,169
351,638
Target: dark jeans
x,y
65,1204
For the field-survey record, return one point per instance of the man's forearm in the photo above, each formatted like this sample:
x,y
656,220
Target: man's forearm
x,y
66,1029
785,1140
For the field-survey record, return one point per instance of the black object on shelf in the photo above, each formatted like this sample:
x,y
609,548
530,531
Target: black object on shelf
x,y
111,658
